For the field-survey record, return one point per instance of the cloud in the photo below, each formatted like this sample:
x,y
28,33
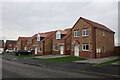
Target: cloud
x,y
28,18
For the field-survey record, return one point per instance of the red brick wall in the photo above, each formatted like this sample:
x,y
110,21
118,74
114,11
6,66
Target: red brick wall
x,y
117,50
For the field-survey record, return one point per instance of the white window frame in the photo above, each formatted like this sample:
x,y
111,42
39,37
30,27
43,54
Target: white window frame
x,y
77,33
85,30
85,47
58,35
38,49
103,33
38,37
103,48
54,47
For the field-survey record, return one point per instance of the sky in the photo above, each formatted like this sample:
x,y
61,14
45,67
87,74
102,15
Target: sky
x,y
28,18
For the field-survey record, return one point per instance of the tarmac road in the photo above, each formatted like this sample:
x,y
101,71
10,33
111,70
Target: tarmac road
x,y
18,70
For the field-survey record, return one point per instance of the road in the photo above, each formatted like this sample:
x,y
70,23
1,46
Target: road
x,y
17,70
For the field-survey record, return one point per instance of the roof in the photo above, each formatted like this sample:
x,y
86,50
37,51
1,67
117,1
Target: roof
x,y
43,34
50,34
94,24
68,33
24,38
62,31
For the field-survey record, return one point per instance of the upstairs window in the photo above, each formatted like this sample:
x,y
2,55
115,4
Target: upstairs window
x,y
85,32
30,41
85,47
76,33
103,33
58,35
38,37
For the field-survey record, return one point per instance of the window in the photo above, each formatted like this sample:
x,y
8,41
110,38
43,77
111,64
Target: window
x,y
30,41
58,35
55,48
103,33
68,47
85,32
76,33
39,49
103,49
38,37
85,47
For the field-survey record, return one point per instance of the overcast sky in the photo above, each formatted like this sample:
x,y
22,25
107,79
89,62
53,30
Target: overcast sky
x,y
29,18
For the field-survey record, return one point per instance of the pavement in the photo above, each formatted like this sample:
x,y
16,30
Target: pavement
x,y
100,60
107,70
51,56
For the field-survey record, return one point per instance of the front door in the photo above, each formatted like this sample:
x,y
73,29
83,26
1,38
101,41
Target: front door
x,y
76,50
35,50
61,49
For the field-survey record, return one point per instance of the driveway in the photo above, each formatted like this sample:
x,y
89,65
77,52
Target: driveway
x,y
51,56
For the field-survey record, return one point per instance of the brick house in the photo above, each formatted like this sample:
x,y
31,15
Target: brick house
x,y
1,46
61,42
91,39
10,45
21,43
42,43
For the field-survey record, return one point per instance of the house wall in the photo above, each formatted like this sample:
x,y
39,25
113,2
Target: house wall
x,y
80,25
56,42
48,47
107,41
68,43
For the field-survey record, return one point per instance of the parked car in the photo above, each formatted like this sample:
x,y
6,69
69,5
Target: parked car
x,y
22,52
10,50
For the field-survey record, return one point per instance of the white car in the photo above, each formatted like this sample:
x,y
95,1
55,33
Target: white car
x,y
10,50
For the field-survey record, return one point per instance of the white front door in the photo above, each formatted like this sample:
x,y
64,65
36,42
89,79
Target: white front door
x,y
35,50
61,49
76,50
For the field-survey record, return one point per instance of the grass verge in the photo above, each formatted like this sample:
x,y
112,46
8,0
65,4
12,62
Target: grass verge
x,y
64,59
108,62
31,56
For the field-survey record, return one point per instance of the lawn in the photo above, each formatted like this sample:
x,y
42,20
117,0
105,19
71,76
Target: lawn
x,y
64,59
108,62
11,53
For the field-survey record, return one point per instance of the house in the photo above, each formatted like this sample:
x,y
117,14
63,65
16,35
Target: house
x,y
21,43
61,42
91,40
10,45
1,46
43,42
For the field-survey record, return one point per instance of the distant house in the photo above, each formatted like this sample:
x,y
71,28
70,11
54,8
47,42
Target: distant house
x,y
1,46
21,43
10,45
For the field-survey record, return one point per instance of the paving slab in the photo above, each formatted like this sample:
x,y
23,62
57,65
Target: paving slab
x,y
51,56
97,61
